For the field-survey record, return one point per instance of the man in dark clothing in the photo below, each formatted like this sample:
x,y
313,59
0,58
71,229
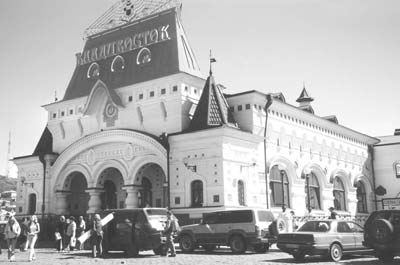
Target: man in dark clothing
x,y
97,236
60,233
333,213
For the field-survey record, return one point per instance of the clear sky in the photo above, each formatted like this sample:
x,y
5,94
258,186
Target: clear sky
x,y
346,51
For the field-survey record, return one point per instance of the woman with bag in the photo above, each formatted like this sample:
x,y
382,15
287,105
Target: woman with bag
x,y
32,232
11,232
71,234
60,233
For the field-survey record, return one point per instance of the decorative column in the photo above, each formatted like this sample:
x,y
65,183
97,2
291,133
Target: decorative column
x,y
132,198
61,202
94,200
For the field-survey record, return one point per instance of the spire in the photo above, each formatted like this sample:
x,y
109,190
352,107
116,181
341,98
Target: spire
x,y
212,60
212,110
305,100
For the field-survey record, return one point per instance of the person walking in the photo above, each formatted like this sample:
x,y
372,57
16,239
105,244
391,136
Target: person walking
x,y
169,230
60,233
32,232
97,236
11,232
71,234
80,230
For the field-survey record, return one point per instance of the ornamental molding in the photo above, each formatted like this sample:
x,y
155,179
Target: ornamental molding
x,y
104,145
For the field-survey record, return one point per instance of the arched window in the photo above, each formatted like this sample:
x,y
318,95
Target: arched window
x,y
93,71
241,198
197,193
279,185
361,198
339,195
118,64
313,200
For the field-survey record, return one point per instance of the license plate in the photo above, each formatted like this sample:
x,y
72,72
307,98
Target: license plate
x,y
292,246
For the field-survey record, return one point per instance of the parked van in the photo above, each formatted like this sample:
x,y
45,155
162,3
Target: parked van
x,y
239,228
134,230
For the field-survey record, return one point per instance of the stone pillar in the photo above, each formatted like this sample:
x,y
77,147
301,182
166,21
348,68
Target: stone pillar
x,y
132,198
94,200
61,202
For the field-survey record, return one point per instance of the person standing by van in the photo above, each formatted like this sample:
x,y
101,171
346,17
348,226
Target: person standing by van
x,y
11,232
71,233
80,230
60,233
97,236
32,233
170,229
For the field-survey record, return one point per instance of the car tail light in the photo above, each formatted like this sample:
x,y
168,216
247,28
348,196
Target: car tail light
x,y
258,231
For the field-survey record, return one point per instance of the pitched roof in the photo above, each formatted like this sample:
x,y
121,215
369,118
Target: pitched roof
x,y
304,97
212,109
45,144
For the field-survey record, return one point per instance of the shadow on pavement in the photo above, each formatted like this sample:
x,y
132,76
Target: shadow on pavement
x,y
348,259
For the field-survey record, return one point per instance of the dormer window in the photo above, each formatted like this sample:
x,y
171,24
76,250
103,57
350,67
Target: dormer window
x,y
93,71
118,64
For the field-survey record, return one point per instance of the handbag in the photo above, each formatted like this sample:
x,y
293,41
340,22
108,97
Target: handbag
x,y
73,242
57,235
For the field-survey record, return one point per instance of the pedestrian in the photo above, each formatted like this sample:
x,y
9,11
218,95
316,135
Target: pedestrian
x,y
11,232
287,218
24,231
170,229
333,214
60,233
97,236
71,234
32,232
80,229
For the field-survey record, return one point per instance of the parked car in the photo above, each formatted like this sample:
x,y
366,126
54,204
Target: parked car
x,y
382,233
239,228
331,238
134,230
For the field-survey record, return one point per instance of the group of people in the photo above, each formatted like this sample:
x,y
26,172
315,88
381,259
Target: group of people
x,y
12,232
67,231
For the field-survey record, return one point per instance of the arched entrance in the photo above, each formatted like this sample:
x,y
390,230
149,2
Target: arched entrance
x,y
111,181
78,198
32,204
152,190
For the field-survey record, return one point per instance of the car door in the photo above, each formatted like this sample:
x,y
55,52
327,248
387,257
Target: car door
x,y
205,232
358,234
346,235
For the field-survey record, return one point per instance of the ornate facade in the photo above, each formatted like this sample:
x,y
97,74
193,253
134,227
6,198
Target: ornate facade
x,y
138,125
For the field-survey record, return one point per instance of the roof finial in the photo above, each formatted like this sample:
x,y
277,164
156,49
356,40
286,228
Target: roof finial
x,y
212,60
304,84
55,95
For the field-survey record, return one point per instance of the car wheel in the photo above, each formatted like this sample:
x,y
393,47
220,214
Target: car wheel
x,y
335,252
131,251
381,231
186,243
298,256
161,250
261,248
237,244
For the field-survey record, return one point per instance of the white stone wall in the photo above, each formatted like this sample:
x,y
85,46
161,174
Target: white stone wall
x,y
387,154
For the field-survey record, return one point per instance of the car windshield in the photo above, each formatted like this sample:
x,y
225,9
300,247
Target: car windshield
x,y
156,213
316,226
265,216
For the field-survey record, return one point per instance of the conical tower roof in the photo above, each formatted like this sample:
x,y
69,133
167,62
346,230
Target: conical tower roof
x,y
304,97
212,109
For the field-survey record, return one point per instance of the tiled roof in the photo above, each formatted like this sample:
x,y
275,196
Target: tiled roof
x,y
212,109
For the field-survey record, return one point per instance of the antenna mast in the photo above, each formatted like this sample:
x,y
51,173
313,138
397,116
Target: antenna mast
x,y
8,155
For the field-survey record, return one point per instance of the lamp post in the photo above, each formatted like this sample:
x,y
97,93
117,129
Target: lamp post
x,y
307,173
282,169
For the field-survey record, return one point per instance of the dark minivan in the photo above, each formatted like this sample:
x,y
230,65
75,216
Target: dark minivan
x,y
134,230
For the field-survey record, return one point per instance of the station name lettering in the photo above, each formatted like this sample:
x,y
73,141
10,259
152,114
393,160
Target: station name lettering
x,y
127,44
